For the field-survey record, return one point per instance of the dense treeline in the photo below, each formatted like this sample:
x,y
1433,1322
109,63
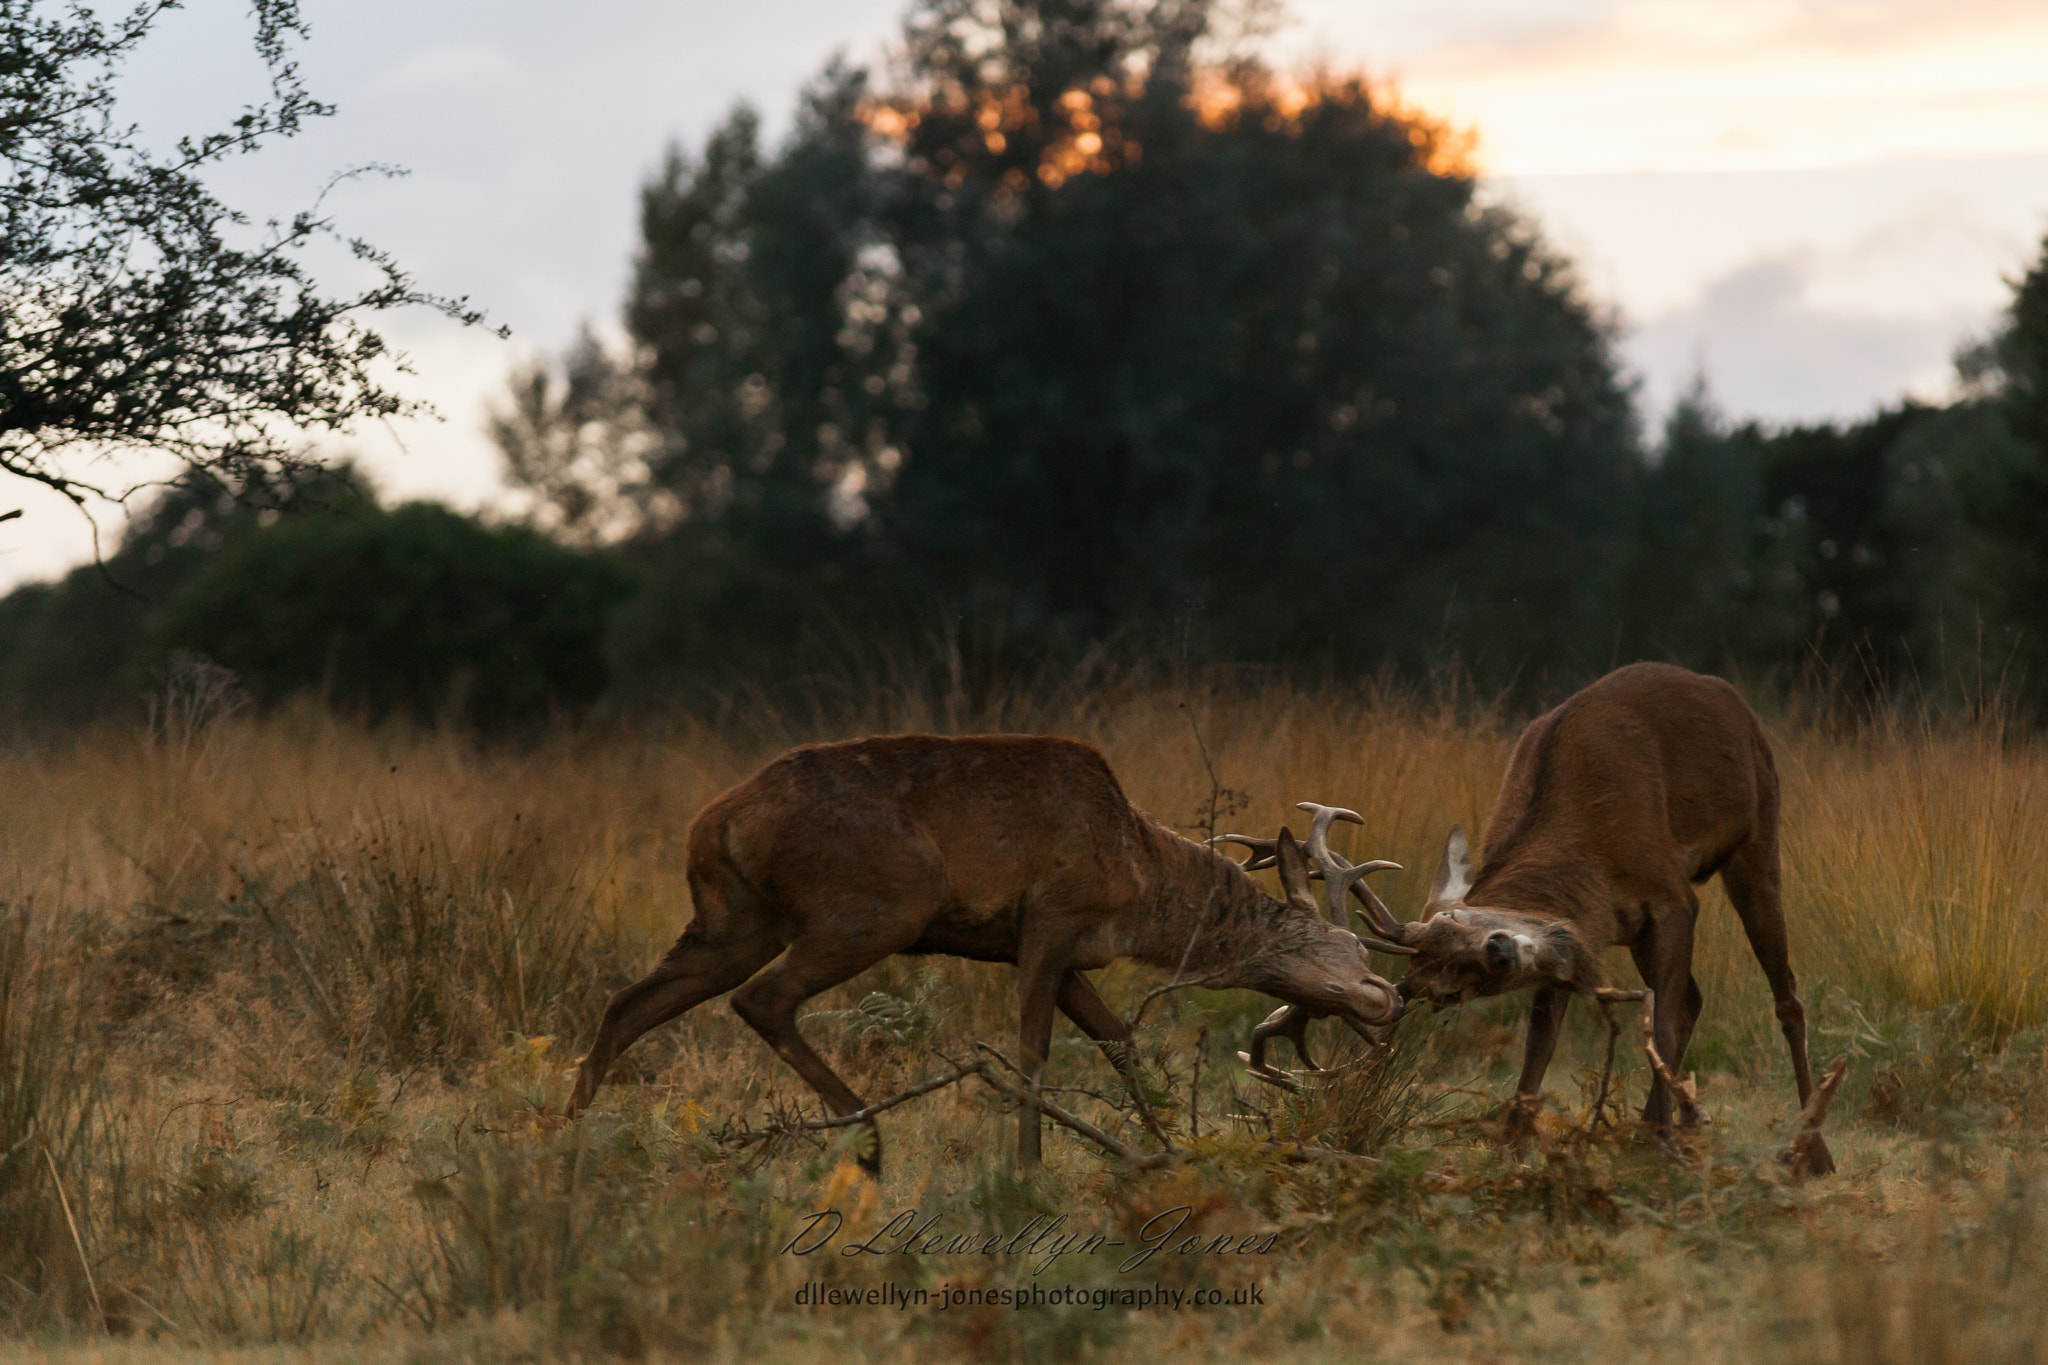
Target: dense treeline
x,y
1070,335
314,588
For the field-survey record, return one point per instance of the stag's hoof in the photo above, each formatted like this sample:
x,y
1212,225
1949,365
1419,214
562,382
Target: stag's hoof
x,y
1808,1156
1518,1119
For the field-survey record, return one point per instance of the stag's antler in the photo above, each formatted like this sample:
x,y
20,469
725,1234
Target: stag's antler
x,y
1340,877
1265,852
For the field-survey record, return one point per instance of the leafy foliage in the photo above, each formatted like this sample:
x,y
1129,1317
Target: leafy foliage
x,y
313,587
132,310
82,649
1839,556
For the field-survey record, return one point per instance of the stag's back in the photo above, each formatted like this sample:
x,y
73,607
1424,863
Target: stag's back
x,y
983,821
1651,766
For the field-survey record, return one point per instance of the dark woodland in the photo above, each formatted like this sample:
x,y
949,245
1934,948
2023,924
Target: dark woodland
x,y
1074,337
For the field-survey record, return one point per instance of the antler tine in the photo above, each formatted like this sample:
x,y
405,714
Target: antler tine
x,y
1265,852
1380,945
1337,873
1377,914
1319,829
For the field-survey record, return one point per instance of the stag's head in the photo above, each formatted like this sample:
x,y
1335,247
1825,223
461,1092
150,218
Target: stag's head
x,y
1465,951
1322,967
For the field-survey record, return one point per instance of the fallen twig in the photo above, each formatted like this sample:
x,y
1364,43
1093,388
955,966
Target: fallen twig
x,y
1125,1059
1116,1147
1299,1151
1003,1075
862,1115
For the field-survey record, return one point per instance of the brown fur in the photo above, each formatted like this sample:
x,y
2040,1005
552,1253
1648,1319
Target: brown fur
x,y
1615,805
1000,848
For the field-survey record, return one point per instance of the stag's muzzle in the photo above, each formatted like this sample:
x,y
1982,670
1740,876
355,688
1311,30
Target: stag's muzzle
x,y
1379,1004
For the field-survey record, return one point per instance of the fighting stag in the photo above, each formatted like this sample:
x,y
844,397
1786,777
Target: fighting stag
x,y
1614,807
998,848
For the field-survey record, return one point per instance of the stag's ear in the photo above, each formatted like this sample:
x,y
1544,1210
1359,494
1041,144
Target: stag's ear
x,y
1294,873
1454,873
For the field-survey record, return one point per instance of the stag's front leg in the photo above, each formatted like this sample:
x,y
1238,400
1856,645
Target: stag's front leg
x,y
1041,970
700,966
1079,1002
1546,1016
1663,955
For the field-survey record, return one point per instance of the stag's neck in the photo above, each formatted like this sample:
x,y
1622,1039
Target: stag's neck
x,y
1208,919
1554,888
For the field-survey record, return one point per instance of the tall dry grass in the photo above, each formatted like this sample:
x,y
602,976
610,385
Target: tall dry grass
x,y
313,982
410,897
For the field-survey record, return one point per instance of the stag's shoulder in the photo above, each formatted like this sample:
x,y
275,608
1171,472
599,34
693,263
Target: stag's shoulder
x,y
1659,687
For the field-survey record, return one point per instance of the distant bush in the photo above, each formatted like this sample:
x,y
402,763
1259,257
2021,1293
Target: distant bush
x,y
417,611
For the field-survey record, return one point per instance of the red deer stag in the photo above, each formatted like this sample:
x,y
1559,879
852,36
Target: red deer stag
x,y
999,848
1615,805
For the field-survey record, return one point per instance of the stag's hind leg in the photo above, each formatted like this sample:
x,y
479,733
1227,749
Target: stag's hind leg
x,y
1751,880
1079,1002
814,962
702,964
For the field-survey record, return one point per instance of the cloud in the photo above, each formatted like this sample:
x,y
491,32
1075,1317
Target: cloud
x,y
1771,347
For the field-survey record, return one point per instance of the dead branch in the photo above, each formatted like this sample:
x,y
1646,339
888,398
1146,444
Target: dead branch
x,y
984,1066
1801,1153
1003,1075
1687,1091
1608,998
1182,983
924,1087
1302,1152
862,1115
1127,1067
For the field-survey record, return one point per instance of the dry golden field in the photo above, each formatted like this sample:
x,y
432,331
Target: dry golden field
x,y
284,1004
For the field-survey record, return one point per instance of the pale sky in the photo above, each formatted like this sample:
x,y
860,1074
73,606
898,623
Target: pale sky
x,y
1809,202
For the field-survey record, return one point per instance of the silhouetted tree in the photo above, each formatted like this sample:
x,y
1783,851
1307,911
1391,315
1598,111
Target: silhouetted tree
x,y
2007,499
1061,322
135,308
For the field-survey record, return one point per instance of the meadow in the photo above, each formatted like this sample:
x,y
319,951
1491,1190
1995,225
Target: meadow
x,y
286,1005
